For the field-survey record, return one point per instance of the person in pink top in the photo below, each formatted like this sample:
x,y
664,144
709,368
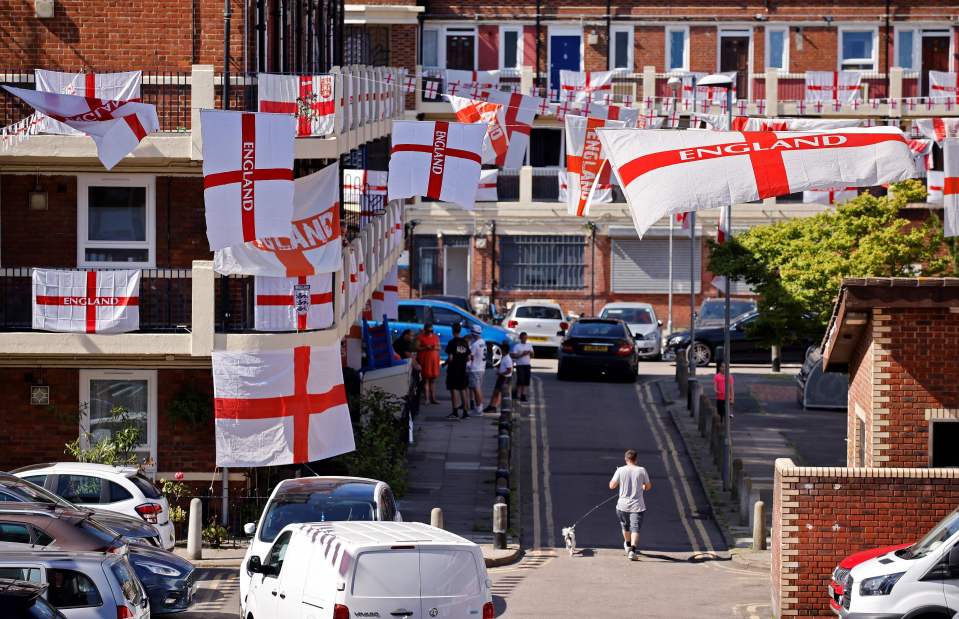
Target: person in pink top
x,y
719,384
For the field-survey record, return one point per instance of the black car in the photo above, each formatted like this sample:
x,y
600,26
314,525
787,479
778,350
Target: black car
x,y
20,599
170,580
598,344
712,312
744,348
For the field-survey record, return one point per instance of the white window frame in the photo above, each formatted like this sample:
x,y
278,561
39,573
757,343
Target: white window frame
x,y
459,30
737,31
668,56
916,47
148,375
519,46
631,38
875,48
786,41
84,182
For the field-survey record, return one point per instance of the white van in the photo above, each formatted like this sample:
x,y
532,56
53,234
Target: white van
x,y
340,570
917,582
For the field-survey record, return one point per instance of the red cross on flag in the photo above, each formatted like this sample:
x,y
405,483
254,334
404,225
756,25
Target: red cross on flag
x,y
687,85
580,86
519,111
829,197
386,298
664,172
938,129
487,186
950,186
293,303
122,86
629,116
397,237
463,81
313,244
934,186
585,161
117,127
307,97
842,86
247,176
280,406
942,85
743,123
602,189
495,145
86,301
436,159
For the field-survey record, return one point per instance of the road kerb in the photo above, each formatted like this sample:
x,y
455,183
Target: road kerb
x,y
499,558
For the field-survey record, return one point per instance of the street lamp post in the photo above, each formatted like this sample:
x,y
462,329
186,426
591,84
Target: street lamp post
x,y
674,84
691,357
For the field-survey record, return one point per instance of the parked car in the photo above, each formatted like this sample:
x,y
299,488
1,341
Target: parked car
x,y
460,302
712,312
120,489
133,529
543,321
598,344
20,599
316,499
379,569
920,580
414,313
845,566
744,348
82,585
818,389
643,324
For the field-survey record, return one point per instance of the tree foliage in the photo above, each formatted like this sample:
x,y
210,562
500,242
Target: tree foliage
x,y
796,266
118,448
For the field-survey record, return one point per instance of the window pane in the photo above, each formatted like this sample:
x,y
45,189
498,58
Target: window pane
x,y
677,45
131,590
117,404
545,146
117,214
448,573
14,533
71,589
445,317
80,488
21,573
510,49
777,40
146,486
904,49
856,44
621,50
391,574
110,254
430,58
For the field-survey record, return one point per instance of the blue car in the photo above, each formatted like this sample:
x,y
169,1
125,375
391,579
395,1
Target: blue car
x,y
414,313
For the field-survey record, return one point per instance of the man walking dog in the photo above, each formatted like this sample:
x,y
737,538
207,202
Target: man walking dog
x,y
632,481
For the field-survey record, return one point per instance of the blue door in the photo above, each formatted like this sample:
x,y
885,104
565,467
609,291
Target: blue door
x,y
563,54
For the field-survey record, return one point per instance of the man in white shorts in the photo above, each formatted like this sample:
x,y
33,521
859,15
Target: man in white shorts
x,y
477,368
632,481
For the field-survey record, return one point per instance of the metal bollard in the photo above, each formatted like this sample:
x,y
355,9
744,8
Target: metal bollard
x,y
194,537
499,526
759,526
436,517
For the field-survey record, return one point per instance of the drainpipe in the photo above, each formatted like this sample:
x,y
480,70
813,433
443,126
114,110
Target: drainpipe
x,y
539,7
887,49
609,34
227,14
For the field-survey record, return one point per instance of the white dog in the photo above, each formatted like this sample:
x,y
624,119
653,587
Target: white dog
x,y
569,536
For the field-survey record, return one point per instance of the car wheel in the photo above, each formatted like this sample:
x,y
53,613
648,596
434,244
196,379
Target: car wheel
x,y
494,354
702,354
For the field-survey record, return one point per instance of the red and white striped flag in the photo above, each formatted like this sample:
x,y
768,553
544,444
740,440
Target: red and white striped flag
x,y
938,129
842,86
311,247
921,152
495,144
942,85
829,197
86,301
487,186
934,186
436,159
121,86
247,176
581,86
307,97
664,172
585,161
386,298
280,406
950,186
293,303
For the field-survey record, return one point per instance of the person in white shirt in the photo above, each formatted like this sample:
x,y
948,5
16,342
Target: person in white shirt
x,y
522,354
632,481
504,375
477,368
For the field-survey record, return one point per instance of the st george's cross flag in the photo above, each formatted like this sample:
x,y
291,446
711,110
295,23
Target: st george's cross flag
x,y
398,225
519,111
602,189
386,298
934,186
496,144
293,303
86,301
585,160
280,406
938,129
436,159
921,152
829,196
744,123
582,86
461,82
247,176
313,244
942,85
950,186
307,97
663,172
842,86
486,192
121,86
629,115
117,127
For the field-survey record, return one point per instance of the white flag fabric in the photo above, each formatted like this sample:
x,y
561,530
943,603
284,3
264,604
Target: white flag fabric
x,y
461,82
716,94
86,301
950,186
563,180
280,406
934,186
357,271
602,189
629,115
117,127
664,171
293,303
829,196
519,111
122,86
487,186
309,98
247,176
687,86
580,86
585,161
386,298
942,85
714,122
938,129
436,159
397,239
743,123
312,246
496,144
842,86
922,153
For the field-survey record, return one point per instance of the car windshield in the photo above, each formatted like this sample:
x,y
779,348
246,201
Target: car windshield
x,y
35,493
716,310
629,315
538,312
312,507
597,329
938,535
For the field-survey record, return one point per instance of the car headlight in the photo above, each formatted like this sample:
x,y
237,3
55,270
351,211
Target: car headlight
x,y
651,336
880,585
160,570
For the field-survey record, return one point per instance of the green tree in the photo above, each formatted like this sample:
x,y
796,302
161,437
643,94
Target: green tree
x,y
796,266
117,448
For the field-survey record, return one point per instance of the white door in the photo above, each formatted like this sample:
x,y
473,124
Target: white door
x,y
456,277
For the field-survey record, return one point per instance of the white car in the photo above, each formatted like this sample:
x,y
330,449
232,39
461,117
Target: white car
x,y
543,321
120,489
315,499
643,324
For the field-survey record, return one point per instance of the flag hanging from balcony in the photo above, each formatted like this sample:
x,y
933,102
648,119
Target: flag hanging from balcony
x,y
938,129
313,245
744,123
581,86
841,86
247,176
495,144
462,82
364,192
934,186
829,197
687,91
436,159
664,172
942,85
487,186
280,407
117,127
950,186
86,301
357,271
293,303
122,86
386,298
307,97
585,161
629,115
921,152
519,111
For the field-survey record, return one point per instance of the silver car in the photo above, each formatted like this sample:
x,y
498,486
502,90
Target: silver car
x,y
643,324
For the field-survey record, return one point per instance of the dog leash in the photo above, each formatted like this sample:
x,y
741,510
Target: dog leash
x,y
597,506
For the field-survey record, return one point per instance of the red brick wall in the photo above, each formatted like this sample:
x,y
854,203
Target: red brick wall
x,y
860,399
403,43
180,222
183,446
38,238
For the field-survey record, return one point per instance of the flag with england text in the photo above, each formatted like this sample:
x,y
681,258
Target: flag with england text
x,y
950,186
309,98
585,161
121,86
496,144
293,303
86,301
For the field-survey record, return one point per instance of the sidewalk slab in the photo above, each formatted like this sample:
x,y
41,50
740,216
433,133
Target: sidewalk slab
x,y
216,557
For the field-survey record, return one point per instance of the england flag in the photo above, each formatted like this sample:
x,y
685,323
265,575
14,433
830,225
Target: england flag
x,y
385,299
841,86
942,85
938,129
487,186
496,144
950,186
86,301
121,86
519,111
293,303
585,161
309,98
583,86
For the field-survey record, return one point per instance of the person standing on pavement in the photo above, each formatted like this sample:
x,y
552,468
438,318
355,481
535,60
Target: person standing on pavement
x,y
477,367
522,353
719,385
504,376
632,481
428,356
457,358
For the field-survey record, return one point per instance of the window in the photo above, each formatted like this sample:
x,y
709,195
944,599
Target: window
x,y
389,574
448,573
111,399
69,589
30,574
410,313
622,57
537,312
777,49
545,147
389,506
14,533
82,489
39,480
629,315
857,49
542,262
446,317
677,48
511,47
317,506
597,329
41,538
115,221
145,486
132,591
431,39
905,48
275,557
943,438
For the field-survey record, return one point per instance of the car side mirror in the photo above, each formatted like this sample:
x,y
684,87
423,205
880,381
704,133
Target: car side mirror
x,y
254,566
249,528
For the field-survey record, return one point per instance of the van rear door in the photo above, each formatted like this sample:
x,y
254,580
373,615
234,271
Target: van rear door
x,y
451,583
